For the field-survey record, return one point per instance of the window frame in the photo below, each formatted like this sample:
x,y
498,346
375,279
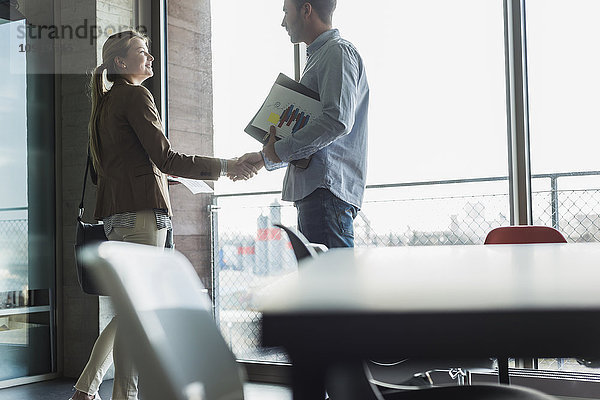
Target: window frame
x,y
42,149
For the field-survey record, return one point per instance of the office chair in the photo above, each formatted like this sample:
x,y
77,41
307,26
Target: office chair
x,y
347,387
395,374
521,234
524,234
300,245
343,384
165,319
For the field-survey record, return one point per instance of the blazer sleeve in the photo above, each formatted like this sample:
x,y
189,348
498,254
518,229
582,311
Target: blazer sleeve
x,y
143,117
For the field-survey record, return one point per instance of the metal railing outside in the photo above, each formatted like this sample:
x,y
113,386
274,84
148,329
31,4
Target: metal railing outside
x,y
249,254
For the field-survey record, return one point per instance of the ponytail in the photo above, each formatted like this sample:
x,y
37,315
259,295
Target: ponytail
x,y
97,94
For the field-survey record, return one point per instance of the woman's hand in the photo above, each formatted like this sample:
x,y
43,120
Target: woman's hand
x,y
238,170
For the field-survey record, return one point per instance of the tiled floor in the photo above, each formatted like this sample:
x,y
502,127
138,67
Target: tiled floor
x,y
61,389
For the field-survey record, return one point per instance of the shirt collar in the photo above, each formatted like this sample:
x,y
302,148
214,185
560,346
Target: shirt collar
x,y
321,40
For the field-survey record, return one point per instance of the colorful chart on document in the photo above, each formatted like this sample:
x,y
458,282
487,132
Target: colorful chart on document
x,y
287,110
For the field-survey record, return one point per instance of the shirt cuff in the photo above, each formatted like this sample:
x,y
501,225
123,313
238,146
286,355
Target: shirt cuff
x,y
223,167
283,149
270,165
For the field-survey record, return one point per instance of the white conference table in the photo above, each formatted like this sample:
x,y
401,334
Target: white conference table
x,y
540,300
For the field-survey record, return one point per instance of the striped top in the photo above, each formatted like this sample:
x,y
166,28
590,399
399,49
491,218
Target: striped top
x,y
127,220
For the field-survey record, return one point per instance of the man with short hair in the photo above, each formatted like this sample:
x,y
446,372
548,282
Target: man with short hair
x,y
329,192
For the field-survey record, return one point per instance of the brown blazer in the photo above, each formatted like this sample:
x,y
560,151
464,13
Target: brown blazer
x,y
135,155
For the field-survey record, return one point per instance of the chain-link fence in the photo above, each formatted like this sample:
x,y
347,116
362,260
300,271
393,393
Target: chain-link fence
x,y
250,254
13,261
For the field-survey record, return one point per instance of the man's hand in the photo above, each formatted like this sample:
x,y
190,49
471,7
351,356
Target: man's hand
x,y
254,159
269,148
238,170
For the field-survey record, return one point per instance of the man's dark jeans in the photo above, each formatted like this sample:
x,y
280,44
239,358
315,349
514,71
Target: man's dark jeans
x,y
325,219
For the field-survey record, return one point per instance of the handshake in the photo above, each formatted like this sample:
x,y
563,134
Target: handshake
x,y
245,167
249,164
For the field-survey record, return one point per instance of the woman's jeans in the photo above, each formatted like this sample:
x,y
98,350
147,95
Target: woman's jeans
x,y
325,219
125,386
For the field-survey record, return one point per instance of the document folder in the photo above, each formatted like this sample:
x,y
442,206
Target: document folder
x,y
289,107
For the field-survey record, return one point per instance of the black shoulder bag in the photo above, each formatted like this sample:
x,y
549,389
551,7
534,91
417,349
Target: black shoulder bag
x,y
87,234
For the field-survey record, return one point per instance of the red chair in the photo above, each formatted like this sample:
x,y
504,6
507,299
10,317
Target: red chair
x,y
522,234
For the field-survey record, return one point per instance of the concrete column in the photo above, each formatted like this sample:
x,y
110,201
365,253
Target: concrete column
x,y
191,121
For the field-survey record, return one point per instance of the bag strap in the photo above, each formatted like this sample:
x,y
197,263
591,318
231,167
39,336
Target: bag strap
x,y
87,167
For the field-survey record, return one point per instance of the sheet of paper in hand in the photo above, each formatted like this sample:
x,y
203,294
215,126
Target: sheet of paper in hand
x,y
195,186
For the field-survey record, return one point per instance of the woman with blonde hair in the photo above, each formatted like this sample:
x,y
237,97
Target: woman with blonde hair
x,y
131,157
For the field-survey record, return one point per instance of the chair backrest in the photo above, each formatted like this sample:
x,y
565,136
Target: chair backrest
x,y
166,321
523,234
300,244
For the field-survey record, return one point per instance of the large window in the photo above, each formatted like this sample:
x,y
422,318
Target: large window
x,y
438,146
27,207
564,103
436,71
564,83
437,113
250,49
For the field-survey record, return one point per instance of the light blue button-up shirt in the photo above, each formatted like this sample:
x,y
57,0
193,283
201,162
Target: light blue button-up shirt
x,y
337,140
